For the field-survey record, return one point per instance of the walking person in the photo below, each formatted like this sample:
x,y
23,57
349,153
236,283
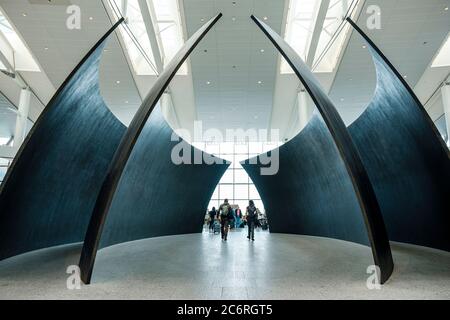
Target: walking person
x,y
226,215
252,216
238,218
212,215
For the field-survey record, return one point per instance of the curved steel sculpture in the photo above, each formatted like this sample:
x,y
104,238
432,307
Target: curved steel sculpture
x,y
124,150
156,197
311,193
406,158
365,194
50,189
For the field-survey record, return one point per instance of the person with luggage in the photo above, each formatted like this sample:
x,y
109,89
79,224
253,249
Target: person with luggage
x,y
252,217
226,216
217,226
212,215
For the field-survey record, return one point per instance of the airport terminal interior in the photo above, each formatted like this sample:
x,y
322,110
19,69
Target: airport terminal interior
x,y
220,149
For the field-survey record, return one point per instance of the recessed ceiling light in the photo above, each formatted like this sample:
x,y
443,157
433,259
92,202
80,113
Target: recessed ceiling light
x,y
202,20
91,18
262,50
118,81
259,82
106,50
350,79
265,18
45,48
446,9
405,76
364,46
233,18
24,14
126,101
208,82
342,99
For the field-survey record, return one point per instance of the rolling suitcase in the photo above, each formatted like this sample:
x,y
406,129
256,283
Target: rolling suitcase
x,y
216,226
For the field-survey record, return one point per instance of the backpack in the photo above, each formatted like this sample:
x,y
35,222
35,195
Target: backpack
x,y
251,212
225,211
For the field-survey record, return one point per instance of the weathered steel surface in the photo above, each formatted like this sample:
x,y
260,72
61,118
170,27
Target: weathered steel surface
x,y
348,152
406,158
50,190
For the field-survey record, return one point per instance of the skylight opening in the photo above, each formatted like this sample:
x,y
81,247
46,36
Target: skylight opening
x,y
442,59
169,30
166,19
301,19
328,53
135,37
14,49
301,22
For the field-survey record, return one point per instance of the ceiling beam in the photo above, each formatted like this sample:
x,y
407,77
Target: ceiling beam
x,y
6,54
320,20
148,15
295,122
148,21
11,70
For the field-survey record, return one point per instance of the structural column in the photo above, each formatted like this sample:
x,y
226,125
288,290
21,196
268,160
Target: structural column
x,y
445,91
22,117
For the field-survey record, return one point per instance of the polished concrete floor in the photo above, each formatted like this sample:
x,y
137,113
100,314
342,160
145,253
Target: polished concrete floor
x,y
201,266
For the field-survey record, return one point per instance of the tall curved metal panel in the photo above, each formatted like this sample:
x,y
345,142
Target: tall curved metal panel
x,y
156,197
123,152
49,191
312,193
363,189
407,160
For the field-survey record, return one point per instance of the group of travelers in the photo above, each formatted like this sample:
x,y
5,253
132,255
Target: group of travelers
x,y
228,216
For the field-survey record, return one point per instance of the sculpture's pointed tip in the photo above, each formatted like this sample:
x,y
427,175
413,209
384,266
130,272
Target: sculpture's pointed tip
x,y
348,19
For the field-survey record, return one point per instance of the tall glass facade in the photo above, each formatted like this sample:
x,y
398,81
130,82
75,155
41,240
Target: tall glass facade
x,y
236,185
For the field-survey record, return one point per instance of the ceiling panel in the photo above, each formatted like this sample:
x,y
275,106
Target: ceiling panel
x,y
233,79
229,58
59,49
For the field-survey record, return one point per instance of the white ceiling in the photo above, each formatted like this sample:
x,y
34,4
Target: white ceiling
x,y
233,99
59,49
233,63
